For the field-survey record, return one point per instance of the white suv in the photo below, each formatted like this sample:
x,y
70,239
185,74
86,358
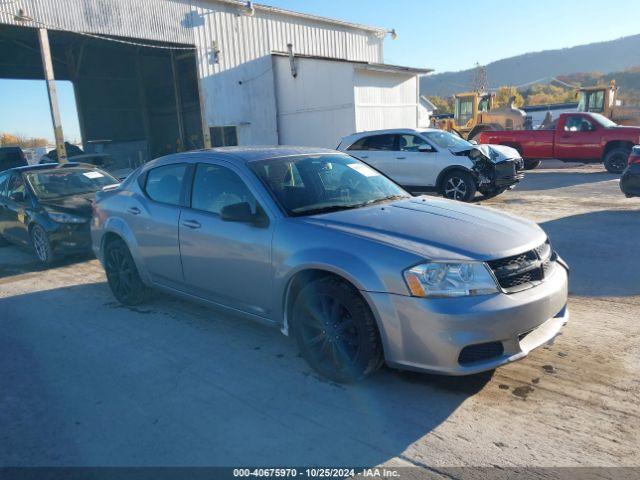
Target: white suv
x,y
435,160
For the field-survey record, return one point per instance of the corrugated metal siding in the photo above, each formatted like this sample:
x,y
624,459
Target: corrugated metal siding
x,y
316,108
241,38
160,20
385,100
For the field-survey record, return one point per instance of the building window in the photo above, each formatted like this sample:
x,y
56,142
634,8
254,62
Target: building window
x,y
223,136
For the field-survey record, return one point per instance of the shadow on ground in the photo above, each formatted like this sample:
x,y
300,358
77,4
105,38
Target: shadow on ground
x,y
541,180
16,261
174,383
601,249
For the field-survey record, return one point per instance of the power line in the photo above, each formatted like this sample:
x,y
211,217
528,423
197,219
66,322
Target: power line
x,y
24,18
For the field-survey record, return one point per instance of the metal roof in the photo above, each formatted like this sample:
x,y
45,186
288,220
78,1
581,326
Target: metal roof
x,y
372,66
307,16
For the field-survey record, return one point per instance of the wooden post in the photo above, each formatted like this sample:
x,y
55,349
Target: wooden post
x,y
47,66
178,100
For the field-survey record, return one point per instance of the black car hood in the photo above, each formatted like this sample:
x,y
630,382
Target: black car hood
x,y
74,204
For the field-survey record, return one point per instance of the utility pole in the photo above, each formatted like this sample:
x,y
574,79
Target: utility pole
x,y
479,80
47,66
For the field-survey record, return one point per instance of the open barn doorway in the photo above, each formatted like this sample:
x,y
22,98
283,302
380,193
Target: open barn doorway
x,y
134,102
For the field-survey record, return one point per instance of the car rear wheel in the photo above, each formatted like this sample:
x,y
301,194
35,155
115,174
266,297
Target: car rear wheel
x,y
122,275
458,185
41,245
531,164
336,331
615,160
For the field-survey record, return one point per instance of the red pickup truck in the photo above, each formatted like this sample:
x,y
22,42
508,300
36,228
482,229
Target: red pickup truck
x,y
589,137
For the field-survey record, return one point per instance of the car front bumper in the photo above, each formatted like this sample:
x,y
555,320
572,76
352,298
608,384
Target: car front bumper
x,y
70,238
630,181
430,334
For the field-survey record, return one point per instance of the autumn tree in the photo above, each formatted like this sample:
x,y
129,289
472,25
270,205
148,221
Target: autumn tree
x,y
16,139
443,104
504,95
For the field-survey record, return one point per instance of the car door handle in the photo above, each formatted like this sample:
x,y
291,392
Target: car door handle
x,y
364,156
133,210
401,158
191,224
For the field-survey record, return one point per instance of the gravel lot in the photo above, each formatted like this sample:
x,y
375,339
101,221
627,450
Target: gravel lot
x,y
84,381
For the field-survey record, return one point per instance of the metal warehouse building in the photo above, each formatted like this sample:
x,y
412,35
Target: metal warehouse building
x,y
156,76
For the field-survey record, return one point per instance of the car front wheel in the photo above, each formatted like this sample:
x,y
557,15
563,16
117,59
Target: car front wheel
x,y
122,275
458,185
336,331
41,245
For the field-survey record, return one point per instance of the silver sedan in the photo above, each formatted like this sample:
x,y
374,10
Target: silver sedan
x,y
335,254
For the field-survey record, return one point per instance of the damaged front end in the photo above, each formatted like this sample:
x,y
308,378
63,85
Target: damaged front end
x,y
497,167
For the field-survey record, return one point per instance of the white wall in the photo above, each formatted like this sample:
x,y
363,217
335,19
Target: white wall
x,y
245,44
244,96
316,108
385,100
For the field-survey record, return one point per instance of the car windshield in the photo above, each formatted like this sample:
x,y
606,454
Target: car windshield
x,y
312,184
442,139
604,121
62,182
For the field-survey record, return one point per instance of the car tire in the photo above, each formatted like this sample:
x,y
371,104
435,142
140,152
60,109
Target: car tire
x,y
458,185
122,275
615,161
41,245
531,164
336,331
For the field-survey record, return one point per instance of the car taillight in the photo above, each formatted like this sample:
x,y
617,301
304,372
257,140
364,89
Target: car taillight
x,y
634,159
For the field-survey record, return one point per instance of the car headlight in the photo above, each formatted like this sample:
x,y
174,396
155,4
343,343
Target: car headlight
x,y
59,217
450,279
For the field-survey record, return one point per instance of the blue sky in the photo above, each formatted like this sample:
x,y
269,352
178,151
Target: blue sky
x,y
443,35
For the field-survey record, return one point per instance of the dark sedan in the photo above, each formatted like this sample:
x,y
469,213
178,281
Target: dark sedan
x,y
48,207
630,180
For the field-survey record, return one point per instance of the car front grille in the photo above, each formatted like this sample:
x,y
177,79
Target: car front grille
x,y
524,270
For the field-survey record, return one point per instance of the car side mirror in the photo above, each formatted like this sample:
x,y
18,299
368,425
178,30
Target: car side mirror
x,y
426,148
241,213
17,197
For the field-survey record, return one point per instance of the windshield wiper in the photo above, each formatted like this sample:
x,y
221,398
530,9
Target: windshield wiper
x,y
383,199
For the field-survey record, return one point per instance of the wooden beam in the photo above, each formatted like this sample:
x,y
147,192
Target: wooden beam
x,y
178,100
50,80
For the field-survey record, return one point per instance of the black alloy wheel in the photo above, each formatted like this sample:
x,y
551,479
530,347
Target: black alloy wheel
x,y
122,275
336,331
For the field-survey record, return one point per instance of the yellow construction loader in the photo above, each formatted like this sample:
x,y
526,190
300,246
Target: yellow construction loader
x,y
474,112
603,99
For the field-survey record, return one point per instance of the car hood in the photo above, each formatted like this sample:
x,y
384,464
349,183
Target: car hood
x,y
73,204
438,229
495,153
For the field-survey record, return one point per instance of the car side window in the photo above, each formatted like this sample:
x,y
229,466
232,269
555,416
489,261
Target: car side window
x,y
164,184
16,185
216,187
578,124
375,142
411,143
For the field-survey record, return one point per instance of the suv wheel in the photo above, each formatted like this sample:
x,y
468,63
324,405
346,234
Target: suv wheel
x,y
615,161
458,185
122,275
41,245
336,331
